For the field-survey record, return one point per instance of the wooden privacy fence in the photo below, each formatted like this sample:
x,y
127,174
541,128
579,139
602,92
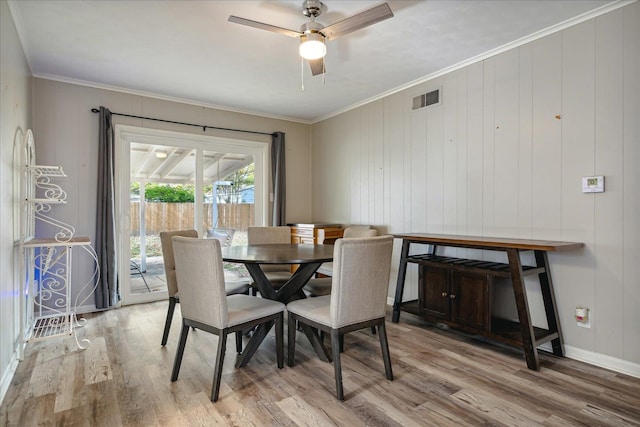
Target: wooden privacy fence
x,y
179,216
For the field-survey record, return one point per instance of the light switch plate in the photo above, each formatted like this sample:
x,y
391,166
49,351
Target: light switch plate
x,y
593,184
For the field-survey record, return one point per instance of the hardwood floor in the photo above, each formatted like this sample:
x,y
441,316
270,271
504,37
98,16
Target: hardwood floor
x,y
441,378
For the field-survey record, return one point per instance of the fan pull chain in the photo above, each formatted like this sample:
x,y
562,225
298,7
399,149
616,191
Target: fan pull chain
x,y
302,73
324,70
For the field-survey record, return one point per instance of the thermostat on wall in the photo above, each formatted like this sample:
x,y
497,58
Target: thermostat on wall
x,y
593,184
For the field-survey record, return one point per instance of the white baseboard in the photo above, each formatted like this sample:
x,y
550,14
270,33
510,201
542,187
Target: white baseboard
x,y
590,357
603,361
7,375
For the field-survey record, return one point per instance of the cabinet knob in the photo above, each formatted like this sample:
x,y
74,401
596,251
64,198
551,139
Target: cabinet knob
x,y
444,294
452,296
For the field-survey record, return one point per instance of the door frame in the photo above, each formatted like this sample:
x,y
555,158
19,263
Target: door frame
x,y
125,135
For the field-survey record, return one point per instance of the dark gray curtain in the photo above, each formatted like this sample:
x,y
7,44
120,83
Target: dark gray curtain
x,y
278,178
107,290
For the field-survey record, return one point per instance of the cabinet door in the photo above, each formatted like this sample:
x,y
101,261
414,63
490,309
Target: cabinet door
x,y
471,300
434,292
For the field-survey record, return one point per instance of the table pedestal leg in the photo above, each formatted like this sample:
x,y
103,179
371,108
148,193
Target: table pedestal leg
x,y
314,339
256,339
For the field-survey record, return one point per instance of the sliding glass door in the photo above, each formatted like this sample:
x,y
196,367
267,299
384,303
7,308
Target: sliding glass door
x,y
173,181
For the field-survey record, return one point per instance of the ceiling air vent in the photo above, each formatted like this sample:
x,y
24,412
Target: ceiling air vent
x,y
426,99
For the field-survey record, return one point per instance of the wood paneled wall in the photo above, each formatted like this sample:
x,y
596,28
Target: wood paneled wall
x,y
503,155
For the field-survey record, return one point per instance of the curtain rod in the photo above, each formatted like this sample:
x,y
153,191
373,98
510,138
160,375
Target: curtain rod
x,y
204,127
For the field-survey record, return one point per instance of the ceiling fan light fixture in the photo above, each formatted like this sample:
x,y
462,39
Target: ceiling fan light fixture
x,y
312,46
313,35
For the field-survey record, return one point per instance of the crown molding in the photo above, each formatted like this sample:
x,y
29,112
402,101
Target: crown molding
x,y
164,97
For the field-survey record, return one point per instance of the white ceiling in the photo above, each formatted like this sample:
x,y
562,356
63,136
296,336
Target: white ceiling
x,y
186,50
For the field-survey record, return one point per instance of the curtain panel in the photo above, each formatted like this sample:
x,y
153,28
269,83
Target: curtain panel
x,y
278,178
107,292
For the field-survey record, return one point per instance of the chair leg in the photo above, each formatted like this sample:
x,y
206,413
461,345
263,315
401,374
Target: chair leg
x,y
291,340
239,342
179,352
373,330
167,323
280,340
217,373
384,345
335,347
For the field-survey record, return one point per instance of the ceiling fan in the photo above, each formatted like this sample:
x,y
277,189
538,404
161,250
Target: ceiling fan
x,y
313,35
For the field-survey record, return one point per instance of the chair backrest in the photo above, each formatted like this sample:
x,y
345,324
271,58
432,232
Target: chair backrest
x,y
200,272
265,235
167,255
361,268
355,232
269,235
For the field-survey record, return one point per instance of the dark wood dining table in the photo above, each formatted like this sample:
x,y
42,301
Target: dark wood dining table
x,y
308,258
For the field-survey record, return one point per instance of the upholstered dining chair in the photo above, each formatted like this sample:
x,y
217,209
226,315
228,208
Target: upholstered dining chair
x,y
172,282
358,298
205,305
322,285
277,274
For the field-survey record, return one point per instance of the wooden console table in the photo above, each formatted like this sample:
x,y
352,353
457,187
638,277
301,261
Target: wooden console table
x,y
444,281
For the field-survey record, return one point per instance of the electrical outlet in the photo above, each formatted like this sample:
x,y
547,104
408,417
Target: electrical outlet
x,y
586,324
583,317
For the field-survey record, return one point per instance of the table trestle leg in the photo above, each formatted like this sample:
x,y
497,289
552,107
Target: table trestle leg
x,y
520,293
548,297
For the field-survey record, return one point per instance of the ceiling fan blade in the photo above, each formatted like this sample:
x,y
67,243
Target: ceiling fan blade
x,y
356,22
317,66
263,26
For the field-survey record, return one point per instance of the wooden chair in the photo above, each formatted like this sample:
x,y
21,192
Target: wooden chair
x,y
172,282
358,299
206,306
277,274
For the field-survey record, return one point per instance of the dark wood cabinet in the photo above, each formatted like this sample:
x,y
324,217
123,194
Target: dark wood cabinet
x,y
459,298
434,285
471,300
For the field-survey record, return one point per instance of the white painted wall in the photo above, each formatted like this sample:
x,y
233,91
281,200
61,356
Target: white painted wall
x,y
15,119
503,155
66,133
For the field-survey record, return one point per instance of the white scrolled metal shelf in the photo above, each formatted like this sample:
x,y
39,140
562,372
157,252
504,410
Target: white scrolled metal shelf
x,y
47,309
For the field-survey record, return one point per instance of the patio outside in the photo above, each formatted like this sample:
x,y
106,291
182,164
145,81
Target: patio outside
x,y
154,276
